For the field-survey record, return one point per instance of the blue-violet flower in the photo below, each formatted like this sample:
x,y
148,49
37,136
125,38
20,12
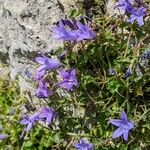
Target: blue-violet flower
x,y
73,31
128,73
43,91
83,145
47,63
69,79
30,120
124,126
47,114
3,136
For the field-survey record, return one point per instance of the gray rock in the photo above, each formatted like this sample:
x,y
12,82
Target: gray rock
x,y
110,9
24,31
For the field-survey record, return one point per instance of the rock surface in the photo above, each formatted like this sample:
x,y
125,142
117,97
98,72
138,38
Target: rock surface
x,y
111,10
24,31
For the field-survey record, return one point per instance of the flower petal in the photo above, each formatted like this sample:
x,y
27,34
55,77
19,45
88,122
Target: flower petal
x,y
29,126
64,73
124,116
80,25
40,60
125,135
118,132
73,72
140,21
24,121
41,68
130,125
77,145
3,136
116,122
83,141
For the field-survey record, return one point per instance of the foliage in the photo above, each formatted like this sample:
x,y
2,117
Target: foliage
x,y
85,111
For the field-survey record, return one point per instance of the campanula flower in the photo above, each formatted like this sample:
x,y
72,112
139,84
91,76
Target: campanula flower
x,y
69,79
84,31
83,145
39,75
112,71
30,120
125,5
2,136
61,32
47,63
47,114
146,54
124,126
63,54
43,91
143,62
128,72
138,15
73,31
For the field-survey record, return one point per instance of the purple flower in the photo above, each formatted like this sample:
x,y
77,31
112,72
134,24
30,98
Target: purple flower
x,y
125,5
39,75
112,71
73,31
47,63
84,31
128,72
69,79
43,90
138,15
47,114
63,54
83,145
146,54
124,126
30,120
145,58
3,136
61,32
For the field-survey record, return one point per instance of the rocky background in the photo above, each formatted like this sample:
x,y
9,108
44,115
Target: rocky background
x,y
24,31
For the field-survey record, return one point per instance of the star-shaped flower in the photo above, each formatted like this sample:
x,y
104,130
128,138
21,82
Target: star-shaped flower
x,y
39,75
73,31
69,79
47,114
138,15
43,90
128,73
112,71
84,31
83,145
30,120
47,63
124,126
61,32
3,136
125,5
